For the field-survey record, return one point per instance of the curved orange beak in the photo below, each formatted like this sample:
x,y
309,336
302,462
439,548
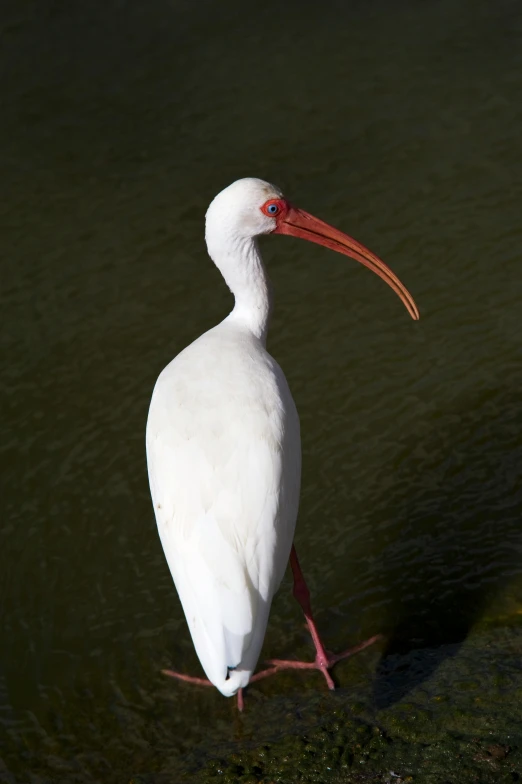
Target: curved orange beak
x,y
298,223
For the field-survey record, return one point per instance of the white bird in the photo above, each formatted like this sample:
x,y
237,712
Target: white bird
x,y
224,452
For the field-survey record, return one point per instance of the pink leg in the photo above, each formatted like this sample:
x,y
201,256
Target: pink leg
x,y
323,660
187,678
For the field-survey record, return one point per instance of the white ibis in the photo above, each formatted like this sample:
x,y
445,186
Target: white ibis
x,y
224,452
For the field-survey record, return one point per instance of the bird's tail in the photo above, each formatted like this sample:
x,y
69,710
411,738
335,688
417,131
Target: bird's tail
x,y
237,679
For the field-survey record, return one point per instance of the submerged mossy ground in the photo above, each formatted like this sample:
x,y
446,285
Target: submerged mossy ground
x,y
431,716
450,714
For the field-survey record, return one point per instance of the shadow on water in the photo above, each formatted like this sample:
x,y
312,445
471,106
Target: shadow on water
x,y
458,509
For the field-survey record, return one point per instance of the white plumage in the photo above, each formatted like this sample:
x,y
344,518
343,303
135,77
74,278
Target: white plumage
x,y
224,459
223,445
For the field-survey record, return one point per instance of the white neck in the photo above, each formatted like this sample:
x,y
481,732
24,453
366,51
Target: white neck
x,y
239,261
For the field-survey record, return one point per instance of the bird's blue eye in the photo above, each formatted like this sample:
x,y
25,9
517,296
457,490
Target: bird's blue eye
x,y
272,209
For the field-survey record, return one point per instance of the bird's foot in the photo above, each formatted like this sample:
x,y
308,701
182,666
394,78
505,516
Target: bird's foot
x,y
187,678
202,682
324,661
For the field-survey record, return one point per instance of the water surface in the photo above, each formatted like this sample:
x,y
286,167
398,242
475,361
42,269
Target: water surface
x,y
396,121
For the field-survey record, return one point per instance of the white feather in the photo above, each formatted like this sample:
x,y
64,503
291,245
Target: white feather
x,y
222,425
224,455
223,444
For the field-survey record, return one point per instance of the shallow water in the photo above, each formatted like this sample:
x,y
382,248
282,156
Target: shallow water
x,y
396,121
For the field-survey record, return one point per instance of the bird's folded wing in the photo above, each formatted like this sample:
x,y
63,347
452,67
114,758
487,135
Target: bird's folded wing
x,y
217,501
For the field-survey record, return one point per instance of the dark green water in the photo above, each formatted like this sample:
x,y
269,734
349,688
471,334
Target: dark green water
x,y
396,121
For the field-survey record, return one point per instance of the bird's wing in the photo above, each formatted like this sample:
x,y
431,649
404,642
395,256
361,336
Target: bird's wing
x,y
225,494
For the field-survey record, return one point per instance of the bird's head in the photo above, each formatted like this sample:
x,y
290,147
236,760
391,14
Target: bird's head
x,y
244,209
251,207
